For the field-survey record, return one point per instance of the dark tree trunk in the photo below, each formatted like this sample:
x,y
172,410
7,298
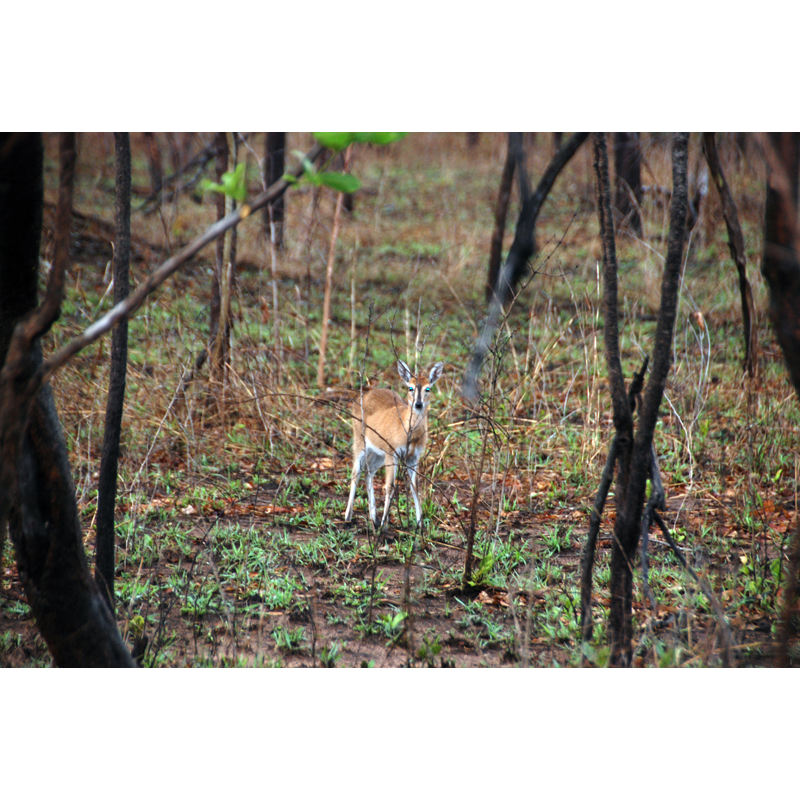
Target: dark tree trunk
x,y
274,167
36,488
154,162
634,451
513,159
780,266
780,263
516,264
628,178
109,460
21,194
736,246
524,247
473,140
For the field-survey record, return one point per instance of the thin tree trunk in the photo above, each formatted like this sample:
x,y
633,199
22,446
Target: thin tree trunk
x,y
274,167
780,266
109,460
628,178
221,288
781,259
628,524
501,211
154,162
326,308
634,451
623,415
736,246
516,263
37,494
215,308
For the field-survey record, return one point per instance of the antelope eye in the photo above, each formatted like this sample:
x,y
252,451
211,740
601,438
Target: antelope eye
x,y
427,388
410,388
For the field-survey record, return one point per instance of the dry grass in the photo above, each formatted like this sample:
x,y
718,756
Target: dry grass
x,y
231,497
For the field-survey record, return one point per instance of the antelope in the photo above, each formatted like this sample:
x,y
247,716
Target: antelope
x,y
386,430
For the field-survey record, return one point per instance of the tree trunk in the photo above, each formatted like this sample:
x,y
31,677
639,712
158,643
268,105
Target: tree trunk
x,y
780,266
628,178
109,460
36,488
154,163
634,451
522,248
274,167
220,322
780,262
736,247
501,210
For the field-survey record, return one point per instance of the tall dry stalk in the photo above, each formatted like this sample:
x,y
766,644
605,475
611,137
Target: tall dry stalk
x,y
326,308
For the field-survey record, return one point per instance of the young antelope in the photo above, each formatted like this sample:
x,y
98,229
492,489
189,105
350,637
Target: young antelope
x,y
386,430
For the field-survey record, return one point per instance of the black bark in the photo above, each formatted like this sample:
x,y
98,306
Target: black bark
x,y
274,167
514,156
109,459
516,265
781,262
780,266
37,494
628,178
634,448
736,247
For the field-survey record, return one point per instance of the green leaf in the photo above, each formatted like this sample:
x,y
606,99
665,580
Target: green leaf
x,y
338,141
335,141
233,184
347,184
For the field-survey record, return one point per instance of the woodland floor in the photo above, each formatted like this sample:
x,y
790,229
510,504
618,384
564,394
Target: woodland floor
x,y
232,546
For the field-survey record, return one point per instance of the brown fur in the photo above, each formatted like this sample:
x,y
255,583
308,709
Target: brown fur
x,y
388,430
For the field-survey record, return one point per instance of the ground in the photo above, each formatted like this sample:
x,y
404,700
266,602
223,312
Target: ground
x,y
232,545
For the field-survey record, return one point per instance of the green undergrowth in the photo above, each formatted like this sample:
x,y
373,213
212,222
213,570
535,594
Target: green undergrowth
x,y
232,550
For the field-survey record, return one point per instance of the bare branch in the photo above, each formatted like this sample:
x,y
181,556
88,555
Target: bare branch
x,y
623,416
516,264
171,265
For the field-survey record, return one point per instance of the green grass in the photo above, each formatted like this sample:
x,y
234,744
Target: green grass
x,y
231,544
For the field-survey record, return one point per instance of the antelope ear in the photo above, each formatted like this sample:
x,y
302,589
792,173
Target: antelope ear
x,y
436,372
405,372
